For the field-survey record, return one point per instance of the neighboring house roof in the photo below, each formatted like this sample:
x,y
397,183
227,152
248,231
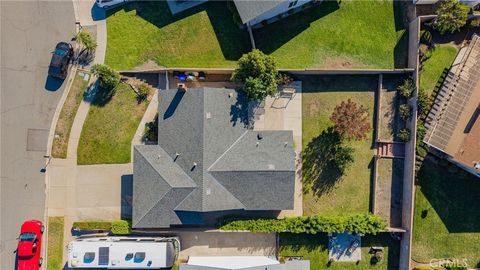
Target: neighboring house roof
x,y
242,263
208,159
452,124
250,9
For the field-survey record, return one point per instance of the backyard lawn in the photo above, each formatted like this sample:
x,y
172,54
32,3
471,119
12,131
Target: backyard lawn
x,y
332,34
328,193
447,215
67,115
55,243
204,36
343,34
315,249
441,58
109,128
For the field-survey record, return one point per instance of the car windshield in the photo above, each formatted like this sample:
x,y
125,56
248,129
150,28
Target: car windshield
x,y
60,52
27,237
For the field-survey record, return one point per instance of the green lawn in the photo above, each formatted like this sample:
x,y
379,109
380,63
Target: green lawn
x,y
315,249
67,115
447,215
347,34
350,193
55,243
109,128
204,36
329,35
441,58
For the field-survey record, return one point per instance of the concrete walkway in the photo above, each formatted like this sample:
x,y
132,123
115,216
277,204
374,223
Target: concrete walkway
x,y
149,116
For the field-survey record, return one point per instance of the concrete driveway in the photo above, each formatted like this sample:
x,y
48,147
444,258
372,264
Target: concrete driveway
x,y
29,30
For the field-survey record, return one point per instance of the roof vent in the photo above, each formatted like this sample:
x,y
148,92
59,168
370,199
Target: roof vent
x,y
259,136
258,143
230,94
176,156
193,167
182,87
159,156
271,167
286,143
208,191
209,115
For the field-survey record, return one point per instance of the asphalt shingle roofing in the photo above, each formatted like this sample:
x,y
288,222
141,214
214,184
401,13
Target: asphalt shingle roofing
x,y
250,9
208,159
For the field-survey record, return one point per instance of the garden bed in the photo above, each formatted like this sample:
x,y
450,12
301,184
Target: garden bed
x,y
389,190
328,192
390,122
315,249
67,115
109,128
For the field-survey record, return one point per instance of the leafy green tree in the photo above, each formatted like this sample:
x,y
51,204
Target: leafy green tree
x,y
351,120
407,88
87,41
258,74
424,102
451,16
107,76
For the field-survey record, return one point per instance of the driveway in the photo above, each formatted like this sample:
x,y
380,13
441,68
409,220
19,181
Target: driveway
x,y
29,32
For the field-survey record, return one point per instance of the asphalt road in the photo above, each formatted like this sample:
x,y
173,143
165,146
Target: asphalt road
x,y
29,32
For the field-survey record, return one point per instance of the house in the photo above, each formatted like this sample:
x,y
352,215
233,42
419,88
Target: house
x,y
209,163
453,124
122,253
243,262
254,12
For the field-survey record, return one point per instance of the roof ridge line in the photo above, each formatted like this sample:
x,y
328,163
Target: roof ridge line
x,y
228,149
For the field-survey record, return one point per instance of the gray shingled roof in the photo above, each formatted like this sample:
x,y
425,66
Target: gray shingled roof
x,y
250,9
234,169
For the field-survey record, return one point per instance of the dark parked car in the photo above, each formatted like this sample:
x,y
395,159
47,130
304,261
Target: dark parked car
x,y
60,58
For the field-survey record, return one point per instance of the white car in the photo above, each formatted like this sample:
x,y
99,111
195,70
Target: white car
x,y
108,3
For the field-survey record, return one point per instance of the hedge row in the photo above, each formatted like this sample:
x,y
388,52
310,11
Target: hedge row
x,y
116,226
360,223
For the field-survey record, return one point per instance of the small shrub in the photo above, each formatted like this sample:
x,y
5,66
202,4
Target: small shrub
x,y
283,79
143,90
405,111
406,88
151,130
88,42
424,102
107,77
426,37
120,227
404,135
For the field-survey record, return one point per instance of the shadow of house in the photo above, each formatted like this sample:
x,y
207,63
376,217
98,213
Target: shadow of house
x,y
271,37
174,104
233,41
453,195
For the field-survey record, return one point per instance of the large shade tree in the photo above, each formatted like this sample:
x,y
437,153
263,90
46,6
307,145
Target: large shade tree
x,y
451,16
351,120
258,74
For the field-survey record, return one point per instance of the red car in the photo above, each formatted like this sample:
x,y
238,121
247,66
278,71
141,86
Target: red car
x,y
30,245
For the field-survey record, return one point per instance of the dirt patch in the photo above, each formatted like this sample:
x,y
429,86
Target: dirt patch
x,y
149,65
388,190
341,63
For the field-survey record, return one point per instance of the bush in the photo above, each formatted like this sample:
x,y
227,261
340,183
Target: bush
x,y
143,90
283,79
351,120
107,77
120,227
405,111
84,38
406,88
151,130
424,102
359,223
258,72
404,135
426,37
451,16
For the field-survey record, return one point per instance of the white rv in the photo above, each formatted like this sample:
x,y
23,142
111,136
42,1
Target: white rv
x,y
123,252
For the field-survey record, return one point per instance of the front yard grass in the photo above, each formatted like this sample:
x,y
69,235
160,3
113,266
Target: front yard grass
x,y
315,249
441,58
203,36
55,243
350,193
344,34
447,215
109,128
67,115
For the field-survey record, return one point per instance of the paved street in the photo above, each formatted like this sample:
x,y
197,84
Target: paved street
x,y
29,32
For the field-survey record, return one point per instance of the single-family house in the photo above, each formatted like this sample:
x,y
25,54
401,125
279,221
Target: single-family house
x,y
209,163
453,124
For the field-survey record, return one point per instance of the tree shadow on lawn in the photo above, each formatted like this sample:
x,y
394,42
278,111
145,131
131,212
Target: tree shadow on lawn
x,y
233,41
273,36
320,173
453,194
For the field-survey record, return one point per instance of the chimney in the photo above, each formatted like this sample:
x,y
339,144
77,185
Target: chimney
x,y
182,87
